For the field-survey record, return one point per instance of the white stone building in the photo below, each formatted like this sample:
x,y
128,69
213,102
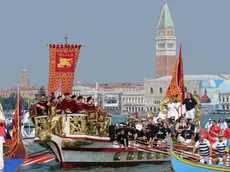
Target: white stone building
x,y
155,89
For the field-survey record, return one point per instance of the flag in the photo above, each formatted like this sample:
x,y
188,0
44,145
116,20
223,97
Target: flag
x,y
176,86
137,115
16,126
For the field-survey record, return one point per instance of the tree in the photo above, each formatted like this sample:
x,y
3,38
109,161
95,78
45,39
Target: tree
x,y
40,91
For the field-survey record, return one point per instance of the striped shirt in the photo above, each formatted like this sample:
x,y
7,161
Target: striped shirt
x,y
203,147
220,146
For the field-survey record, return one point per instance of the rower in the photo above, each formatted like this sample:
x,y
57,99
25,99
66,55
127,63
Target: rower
x,y
214,130
220,146
122,138
205,150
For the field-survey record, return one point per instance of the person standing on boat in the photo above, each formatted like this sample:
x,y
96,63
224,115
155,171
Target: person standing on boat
x,y
227,132
220,146
190,104
172,109
80,106
74,98
90,104
42,106
205,150
67,104
2,140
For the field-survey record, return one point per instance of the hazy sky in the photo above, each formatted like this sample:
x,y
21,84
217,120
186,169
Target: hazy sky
x,y
119,37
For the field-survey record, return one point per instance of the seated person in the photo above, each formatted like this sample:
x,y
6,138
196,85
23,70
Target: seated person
x,y
220,147
131,132
67,104
90,104
122,138
187,135
161,135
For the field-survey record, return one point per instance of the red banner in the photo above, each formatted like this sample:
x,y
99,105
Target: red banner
x,y
176,86
63,60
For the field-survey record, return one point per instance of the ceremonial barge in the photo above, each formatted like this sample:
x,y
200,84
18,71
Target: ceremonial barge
x,y
86,141
83,139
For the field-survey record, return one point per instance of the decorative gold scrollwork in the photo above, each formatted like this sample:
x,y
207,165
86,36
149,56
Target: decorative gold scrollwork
x,y
74,144
130,156
150,156
149,115
158,155
141,155
79,125
117,156
165,156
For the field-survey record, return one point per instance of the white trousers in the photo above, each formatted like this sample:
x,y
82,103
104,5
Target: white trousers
x,y
206,159
24,134
190,114
2,140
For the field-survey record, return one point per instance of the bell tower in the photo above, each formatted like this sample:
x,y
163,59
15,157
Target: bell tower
x,y
165,44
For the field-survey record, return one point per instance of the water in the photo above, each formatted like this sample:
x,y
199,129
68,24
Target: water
x,y
55,167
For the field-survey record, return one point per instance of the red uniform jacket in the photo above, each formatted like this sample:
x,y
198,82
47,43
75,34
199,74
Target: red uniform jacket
x,y
80,107
40,111
90,107
68,104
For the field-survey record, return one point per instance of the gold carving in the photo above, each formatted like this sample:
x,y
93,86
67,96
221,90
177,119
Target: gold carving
x,y
158,155
92,116
150,156
64,62
141,155
79,125
149,115
165,156
74,144
198,114
117,156
130,156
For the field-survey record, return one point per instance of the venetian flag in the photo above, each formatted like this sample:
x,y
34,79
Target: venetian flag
x,y
16,138
137,115
176,86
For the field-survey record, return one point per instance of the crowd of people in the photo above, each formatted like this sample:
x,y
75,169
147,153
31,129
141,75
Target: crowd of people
x,y
182,130
70,104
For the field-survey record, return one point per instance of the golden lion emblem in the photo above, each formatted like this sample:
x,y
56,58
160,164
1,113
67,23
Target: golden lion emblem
x,y
65,63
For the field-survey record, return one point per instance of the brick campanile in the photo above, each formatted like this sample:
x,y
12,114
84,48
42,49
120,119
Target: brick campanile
x,y
165,44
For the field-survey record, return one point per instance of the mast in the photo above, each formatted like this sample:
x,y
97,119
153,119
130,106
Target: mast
x,y
18,115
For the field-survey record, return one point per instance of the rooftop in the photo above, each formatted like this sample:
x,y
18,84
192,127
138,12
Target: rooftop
x,y
195,77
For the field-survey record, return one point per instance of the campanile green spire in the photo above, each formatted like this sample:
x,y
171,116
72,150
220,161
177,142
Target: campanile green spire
x,y
165,19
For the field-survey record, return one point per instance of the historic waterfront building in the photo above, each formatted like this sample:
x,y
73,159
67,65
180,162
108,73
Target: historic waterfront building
x,y
155,89
165,44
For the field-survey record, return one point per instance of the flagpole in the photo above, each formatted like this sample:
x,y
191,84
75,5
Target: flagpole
x,y
18,108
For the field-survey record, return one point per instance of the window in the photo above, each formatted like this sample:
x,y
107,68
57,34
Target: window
x,y
161,45
170,45
223,107
151,90
226,99
223,99
227,107
160,90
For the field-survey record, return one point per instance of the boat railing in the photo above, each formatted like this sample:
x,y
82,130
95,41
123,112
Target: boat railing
x,y
93,124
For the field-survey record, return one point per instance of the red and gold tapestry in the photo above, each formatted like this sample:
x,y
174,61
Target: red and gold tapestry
x,y
176,86
63,60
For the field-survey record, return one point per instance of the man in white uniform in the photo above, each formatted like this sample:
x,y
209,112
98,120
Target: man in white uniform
x,y
2,140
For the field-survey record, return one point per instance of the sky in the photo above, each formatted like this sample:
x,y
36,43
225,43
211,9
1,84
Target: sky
x,y
119,37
